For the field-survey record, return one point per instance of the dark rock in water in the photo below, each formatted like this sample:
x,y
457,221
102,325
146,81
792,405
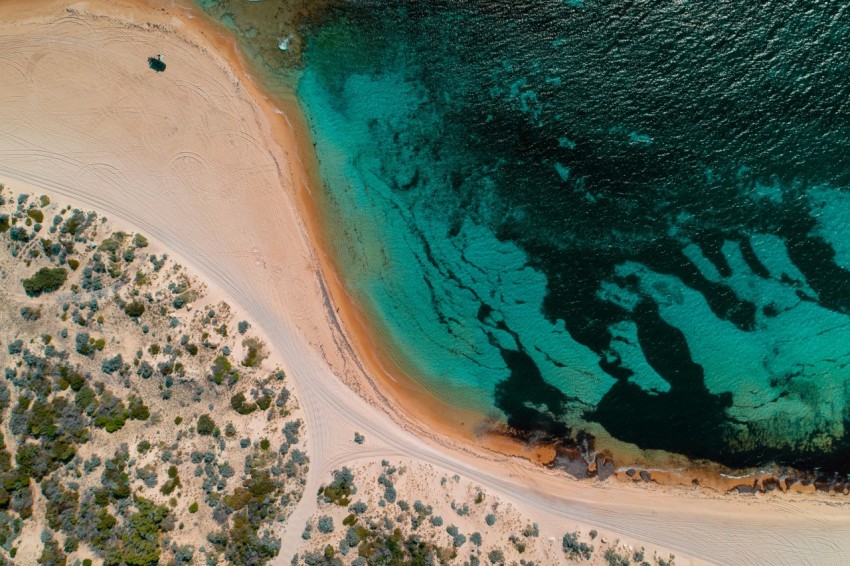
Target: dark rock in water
x,y
770,484
644,475
631,472
789,482
156,63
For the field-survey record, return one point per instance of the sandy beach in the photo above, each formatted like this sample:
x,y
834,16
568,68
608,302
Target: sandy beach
x,y
202,160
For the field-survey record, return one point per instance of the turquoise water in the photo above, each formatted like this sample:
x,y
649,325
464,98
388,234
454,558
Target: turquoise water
x,y
576,215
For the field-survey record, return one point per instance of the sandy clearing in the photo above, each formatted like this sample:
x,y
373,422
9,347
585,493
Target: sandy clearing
x,y
194,157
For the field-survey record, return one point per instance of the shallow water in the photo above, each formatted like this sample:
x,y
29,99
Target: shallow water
x,y
573,214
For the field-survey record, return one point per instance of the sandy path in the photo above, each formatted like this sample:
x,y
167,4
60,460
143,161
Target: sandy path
x,y
190,158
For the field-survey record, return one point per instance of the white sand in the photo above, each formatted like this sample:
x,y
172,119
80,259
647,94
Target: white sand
x,y
190,158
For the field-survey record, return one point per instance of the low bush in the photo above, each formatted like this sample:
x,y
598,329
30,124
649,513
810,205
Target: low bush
x,y
206,425
256,352
30,314
575,549
237,402
45,280
340,489
111,365
325,524
36,214
134,309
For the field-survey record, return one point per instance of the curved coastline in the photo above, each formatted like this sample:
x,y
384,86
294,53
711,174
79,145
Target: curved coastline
x,y
378,377
630,510
383,381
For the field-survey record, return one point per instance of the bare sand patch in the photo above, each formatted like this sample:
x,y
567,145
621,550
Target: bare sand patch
x,y
198,158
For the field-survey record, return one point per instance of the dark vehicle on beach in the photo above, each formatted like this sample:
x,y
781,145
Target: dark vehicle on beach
x,y
156,63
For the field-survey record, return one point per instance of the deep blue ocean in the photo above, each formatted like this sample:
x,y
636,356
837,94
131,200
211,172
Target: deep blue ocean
x,y
629,218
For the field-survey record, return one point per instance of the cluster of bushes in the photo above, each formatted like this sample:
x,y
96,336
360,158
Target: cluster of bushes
x,y
340,489
379,544
87,345
249,506
574,548
58,405
389,489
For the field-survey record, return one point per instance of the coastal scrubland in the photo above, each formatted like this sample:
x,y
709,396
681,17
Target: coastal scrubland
x,y
140,422
379,512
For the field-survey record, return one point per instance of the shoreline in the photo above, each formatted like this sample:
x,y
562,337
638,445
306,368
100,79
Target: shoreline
x,y
409,403
377,378
387,386
251,242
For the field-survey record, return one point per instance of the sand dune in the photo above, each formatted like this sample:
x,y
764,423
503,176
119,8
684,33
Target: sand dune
x,y
198,159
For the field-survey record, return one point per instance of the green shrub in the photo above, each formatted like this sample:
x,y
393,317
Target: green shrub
x,y
613,558
45,280
134,309
264,402
340,489
137,409
73,264
206,425
36,215
221,368
575,549
110,413
173,481
256,352
237,402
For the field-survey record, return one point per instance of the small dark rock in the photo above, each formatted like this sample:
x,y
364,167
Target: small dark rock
x,y
604,468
